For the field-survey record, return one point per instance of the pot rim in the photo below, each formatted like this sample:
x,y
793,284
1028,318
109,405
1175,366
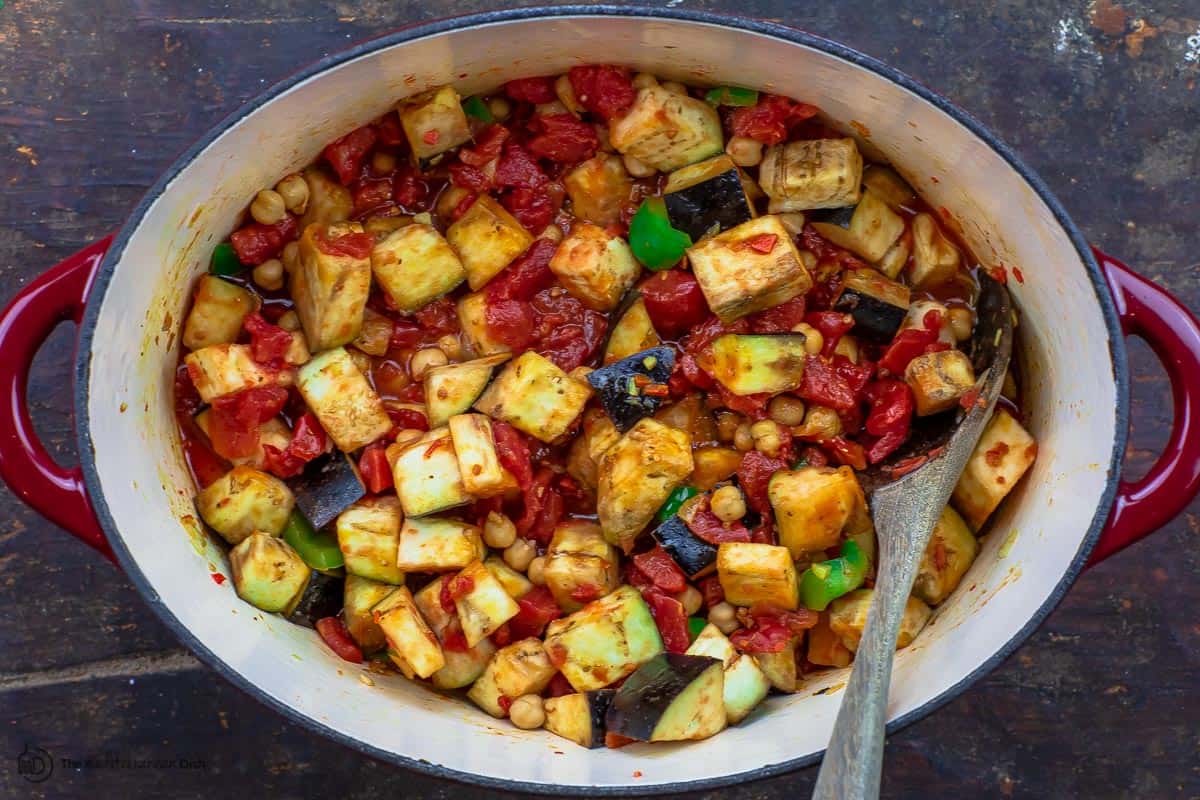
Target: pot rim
x,y
87,328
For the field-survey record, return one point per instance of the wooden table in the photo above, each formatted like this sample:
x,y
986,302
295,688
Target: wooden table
x,y
98,97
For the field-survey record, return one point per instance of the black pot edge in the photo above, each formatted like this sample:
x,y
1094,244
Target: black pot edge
x,y
87,328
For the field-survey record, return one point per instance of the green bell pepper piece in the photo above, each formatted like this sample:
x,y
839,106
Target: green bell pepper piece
x,y
475,107
675,501
695,625
318,549
828,580
225,261
653,240
731,96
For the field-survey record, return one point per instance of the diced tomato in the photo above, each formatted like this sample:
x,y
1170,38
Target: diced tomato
x,y
439,317
814,457
586,592
370,195
389,131
762,243
910,343
413,393
488,144
534,208
511,322
570,345
636,578
602,89
467,177
691,372
537,608
754,475
518,168
463,206
764,531
712,591
234,419
256,243
410,190
833,325
373,465
558,686
352,245
526,276
752,405
772,628
407,418
780,319
502,636
657,565
846,452
454,640
513,453
333,632
615,740
769,120
531,90
885,445
856,376
891,406
823,385
505,702
346,154
205,464
543,508
308,442
563,138
674,302
671,620
269,344
706,525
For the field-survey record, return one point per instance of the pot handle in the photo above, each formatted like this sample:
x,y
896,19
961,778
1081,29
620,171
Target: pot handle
x,y
53,491
1173,333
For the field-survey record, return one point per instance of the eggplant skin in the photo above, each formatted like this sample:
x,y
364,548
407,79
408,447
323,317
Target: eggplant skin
x,y
668,699
580,716
612,384
694,555
717,202
323,597
326,488
874,320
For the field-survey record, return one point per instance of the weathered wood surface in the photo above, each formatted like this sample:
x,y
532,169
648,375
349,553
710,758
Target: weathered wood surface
x,y
97,97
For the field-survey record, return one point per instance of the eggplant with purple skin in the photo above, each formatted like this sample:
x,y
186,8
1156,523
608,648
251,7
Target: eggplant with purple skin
x,y
693,555
878,305
621,386
707,198
670,698
326,488
580,716
323,597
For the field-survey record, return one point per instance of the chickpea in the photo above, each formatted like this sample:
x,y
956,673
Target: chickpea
x,y
527,712
290,321
727,425
424,360
269,274
520,554
820,422
383,162
498,531
290,257
742,438
268,207
786,410
814,341
768,437
675,87
537,571
451,346
724,617
961,322
500,107
793,222
566,94
848,347
728,504
408,436
550,109
744,151
294,191
644,80
636,168
691,600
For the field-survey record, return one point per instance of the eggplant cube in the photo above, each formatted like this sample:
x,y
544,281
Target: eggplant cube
x,y
825,647
451,389
672,697
951,551
578,558
516,584
221,369
620,385
368,534
412,646
360,595
1004,452
520,668
426,475
328,201
326,488
706,198
878,305
870,232
463,667
268,573
478,463
323,597
848,617
598,188
485,607
245,500
753,573
595,267
438,545
533,395
934,259
635,477
218,310
633,333
749,268
780,666
487,238
813,506
472,310
693,555
667,130
583,460
604,641
415,265
434,122
745,684
746,363
938,380
814,173
330,288
579,717
338,393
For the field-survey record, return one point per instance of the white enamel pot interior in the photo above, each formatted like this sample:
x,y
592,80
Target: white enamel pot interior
x,y
143,494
